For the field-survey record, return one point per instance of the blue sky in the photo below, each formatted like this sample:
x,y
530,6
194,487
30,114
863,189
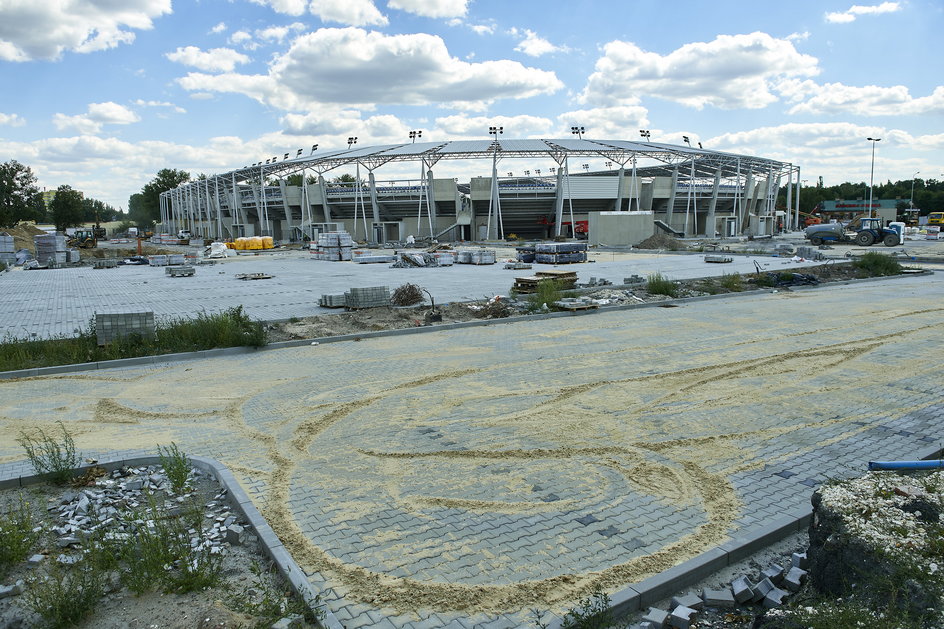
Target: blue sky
x,y
101,94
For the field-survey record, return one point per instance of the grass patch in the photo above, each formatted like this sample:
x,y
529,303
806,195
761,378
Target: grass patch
x,y
48,456
878,264
269,599
230,328
548,291
658,284
16,534
733,283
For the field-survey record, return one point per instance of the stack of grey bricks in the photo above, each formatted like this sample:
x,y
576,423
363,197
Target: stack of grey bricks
x,y
371,297
335,246
7,250
51,249
113,325
475,256
176,259
560,252
158,260
106,263
333,301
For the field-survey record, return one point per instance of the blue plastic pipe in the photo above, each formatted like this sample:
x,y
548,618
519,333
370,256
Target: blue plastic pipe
x,y
906,465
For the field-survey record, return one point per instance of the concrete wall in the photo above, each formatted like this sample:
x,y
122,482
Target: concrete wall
x,y
620,228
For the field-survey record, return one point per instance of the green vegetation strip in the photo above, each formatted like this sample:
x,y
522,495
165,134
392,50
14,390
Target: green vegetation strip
x,y
230,328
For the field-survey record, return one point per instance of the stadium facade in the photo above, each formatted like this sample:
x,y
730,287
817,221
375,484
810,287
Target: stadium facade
x,y
645,187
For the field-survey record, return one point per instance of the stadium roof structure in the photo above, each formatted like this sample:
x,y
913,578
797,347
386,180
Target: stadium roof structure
x,y
658,159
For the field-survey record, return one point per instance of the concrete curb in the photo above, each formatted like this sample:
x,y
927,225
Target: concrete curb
x,y
667,583
241,503
236,351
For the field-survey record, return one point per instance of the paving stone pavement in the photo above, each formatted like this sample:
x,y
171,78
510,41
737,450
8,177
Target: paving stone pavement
x,y
48,303
461,478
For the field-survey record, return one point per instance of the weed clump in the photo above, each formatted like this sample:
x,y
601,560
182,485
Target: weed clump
x,y
17,537
658,284
63,596
732,282
878,264
268,600
406,295
175,465
47,455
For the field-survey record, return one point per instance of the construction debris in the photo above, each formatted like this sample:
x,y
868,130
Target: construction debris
x,y
253,276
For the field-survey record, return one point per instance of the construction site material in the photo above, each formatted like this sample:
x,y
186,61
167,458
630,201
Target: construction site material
x,y
74,256
372,258
333,247
113,325
576,304
565,279
333,301
370,297
934,464
475,256
158,260
105,263
517,266
718,259
51,249
180,271
253,276
412,260
7,250
525,253
560,247
560,252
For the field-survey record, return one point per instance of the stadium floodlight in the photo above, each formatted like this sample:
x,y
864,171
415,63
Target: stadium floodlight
x,y
415,134
314,147
351,141
586,167
275,159
286,157
687,141
267,161
644,133
538,171
578,131
511,174
699,145
299,153
872,176
527,173
609,164
496,131
553,170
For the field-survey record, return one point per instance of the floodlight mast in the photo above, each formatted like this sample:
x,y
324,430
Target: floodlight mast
x,y
578,131
872,175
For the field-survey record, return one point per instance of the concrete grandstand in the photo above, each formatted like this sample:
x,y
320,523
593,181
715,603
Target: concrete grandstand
x,y
646,187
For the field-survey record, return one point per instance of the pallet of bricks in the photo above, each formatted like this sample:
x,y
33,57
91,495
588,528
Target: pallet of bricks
x,y
475,256
7,250
565,280
51,249
560,252
333,246
371,297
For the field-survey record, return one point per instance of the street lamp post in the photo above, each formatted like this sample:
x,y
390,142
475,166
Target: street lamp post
x,y
911,198
872,175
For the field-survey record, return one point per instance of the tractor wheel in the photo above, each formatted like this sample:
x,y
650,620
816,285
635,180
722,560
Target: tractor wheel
x,y
891,240
865,239
816,241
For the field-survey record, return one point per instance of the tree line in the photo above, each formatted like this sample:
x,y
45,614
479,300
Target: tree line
x,y
928,194
21,200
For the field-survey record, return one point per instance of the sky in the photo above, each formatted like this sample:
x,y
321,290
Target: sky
x,y
101,94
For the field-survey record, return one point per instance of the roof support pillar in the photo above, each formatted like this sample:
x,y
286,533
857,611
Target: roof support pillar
x,y
672,191
712,205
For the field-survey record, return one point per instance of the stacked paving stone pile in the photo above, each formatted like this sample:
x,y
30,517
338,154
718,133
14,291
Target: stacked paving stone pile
x,y
51,249
770,589
7,249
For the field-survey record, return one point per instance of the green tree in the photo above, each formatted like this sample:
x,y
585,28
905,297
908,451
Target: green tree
x,y
149,210
66,209
17,192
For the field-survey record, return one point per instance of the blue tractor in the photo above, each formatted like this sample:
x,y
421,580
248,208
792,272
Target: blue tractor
x,y
871,232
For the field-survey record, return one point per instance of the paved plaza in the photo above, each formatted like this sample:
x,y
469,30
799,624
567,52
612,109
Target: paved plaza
x,y
460,478
60,301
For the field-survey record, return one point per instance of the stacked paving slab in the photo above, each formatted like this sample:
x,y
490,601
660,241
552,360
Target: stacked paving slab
x,y
475,256
560,252
371,297
51,249
7,250
333,246
113,325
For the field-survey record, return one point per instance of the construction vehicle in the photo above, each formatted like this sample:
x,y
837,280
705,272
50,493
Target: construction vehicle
x,y
811,219
936,218
868,231
83,238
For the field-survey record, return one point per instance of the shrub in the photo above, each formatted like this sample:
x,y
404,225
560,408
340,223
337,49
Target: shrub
x,y
590,613
63,596
732,282
16,534
176,466
406,295
548,291
268,598
48,456
658,284
878,264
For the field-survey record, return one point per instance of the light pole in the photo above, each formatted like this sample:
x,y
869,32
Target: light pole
x,y
414,135
586,167
351,141
496,131
872,175
609,165
911,198
644,133
578,131
687,141
314,147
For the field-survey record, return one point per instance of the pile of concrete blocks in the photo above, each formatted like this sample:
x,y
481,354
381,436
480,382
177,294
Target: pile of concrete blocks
x,y
158,260
7,249
180,271
113,325
51,249
810,253
525,253
560,252
373,258
771,589
333,301
106,263
371,297
176,259
74,256
333,246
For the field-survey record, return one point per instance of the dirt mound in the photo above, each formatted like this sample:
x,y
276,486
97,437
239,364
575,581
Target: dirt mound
x,y
661,240
23,235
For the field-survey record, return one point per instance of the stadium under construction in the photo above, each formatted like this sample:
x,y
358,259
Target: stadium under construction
x,y
645,187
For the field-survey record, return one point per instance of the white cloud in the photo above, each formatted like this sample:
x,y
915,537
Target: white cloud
x,y
279,33
349,12
432,8
534,45
730,72
606,123
244,39
98,115
850,14
372,67
482,29
521,126
214,60
13,120
870,100
45,29
157,103
219,28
